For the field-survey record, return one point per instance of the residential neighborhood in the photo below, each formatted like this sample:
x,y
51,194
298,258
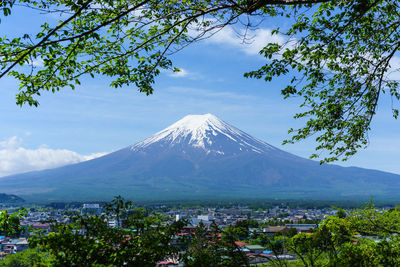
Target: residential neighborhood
x,y
271,222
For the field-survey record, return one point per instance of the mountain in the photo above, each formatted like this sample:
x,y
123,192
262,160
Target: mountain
x,y
198,157
8,199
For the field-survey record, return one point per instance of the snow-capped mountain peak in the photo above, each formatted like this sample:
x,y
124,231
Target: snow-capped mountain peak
x,y
207,132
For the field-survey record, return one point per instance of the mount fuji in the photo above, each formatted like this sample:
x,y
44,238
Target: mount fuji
x,y
201,157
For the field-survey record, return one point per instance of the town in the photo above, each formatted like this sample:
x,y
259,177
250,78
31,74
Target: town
x,y
276,221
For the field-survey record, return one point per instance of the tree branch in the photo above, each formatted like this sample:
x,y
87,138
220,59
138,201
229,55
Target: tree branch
x,y
45,38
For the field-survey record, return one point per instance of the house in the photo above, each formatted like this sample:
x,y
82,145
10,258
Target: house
x,y
9,248
93,209
241,244
254,248
166,264
273,230
170,262
255,258
41,226
20,243
12,246
302,228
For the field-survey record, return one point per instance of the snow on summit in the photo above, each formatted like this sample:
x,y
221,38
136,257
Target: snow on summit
x,y
207,132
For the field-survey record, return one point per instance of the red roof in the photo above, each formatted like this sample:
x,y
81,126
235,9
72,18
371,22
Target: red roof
x,y
241,244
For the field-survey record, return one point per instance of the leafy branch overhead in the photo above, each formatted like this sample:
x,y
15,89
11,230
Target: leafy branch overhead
x,y
129,41
340,53
341,64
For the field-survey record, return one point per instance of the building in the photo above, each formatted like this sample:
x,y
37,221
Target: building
x,y
93,209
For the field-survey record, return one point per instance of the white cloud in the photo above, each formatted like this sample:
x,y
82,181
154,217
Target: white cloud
x,y
16,159
394,72
183,73
179,74
37,62
250,42
11,143
93,156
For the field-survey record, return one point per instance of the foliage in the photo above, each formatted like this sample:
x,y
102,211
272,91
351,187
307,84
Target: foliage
x,y
376,222
144,240
238,231
27,258
339,55
208,248
10,222
364,237
307,247
291,232
129,41
337,241
341,213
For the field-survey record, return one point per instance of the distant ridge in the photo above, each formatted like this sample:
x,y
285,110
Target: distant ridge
x,y
201,157
4,198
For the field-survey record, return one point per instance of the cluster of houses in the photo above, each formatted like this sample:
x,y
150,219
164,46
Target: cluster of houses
x,y
225,217
255,253
222,217
32,222
10,245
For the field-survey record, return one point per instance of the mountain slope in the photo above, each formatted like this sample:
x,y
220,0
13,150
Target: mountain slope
x,y
4,198
200,156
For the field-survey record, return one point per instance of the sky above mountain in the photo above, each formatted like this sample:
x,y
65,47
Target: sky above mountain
x,y
72,126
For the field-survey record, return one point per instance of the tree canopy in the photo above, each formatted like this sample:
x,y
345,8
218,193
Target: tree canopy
x,y
340,54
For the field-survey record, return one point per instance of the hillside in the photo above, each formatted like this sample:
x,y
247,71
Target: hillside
x,y
4,198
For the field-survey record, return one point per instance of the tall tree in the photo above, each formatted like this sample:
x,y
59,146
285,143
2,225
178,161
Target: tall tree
x,y
10,222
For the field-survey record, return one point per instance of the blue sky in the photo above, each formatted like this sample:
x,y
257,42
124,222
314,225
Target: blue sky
x,y
71,126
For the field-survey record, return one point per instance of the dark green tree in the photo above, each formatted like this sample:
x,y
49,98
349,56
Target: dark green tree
x,y
341,213
27,258
144,240
209,248
239,231
10,223
307,248
365,237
